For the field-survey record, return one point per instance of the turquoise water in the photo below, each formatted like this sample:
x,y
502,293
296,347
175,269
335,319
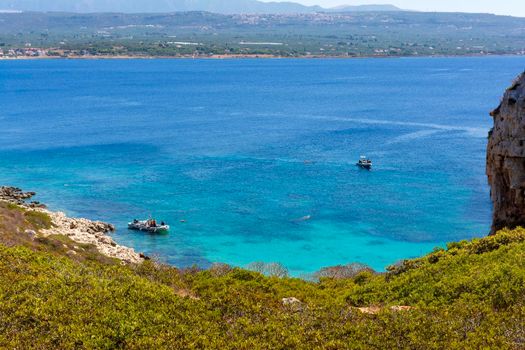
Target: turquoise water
x,y
257,156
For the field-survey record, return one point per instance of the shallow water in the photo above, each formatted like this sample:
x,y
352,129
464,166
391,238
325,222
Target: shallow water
x,y
257,156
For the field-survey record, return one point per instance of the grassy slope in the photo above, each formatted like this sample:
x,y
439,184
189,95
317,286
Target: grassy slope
x,y
469,296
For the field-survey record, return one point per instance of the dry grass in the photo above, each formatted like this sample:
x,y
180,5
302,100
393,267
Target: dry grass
x,y
20,227
13,225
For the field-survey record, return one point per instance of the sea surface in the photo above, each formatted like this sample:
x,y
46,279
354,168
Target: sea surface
x,y
254,160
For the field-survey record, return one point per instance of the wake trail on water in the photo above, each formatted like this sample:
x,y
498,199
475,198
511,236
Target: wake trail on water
x,y
470,131
414,136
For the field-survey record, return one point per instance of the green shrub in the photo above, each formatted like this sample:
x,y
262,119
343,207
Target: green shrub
x,y
38,219
469,296
12,206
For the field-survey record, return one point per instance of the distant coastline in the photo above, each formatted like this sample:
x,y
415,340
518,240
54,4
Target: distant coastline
x,y
239,56
218,36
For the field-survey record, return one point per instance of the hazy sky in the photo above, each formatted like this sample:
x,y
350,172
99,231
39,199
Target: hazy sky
x,y
506,7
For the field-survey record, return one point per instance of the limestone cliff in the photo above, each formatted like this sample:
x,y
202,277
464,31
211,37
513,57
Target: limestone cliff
x,y
506,158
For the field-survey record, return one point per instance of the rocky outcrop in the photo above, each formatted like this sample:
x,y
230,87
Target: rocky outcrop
x,y
15,195
82,231
506,159
90,232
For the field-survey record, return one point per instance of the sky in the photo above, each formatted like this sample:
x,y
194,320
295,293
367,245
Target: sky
x,y
506,7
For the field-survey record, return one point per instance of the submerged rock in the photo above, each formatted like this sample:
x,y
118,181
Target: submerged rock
x,y
506,159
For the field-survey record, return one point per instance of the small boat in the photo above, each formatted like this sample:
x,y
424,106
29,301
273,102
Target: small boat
x,y
364,163
150,226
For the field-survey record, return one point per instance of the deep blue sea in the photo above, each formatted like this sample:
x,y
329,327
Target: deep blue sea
x,y
254,160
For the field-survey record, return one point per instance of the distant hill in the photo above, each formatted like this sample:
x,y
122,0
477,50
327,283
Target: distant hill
x,y
366,8
204,34
148,6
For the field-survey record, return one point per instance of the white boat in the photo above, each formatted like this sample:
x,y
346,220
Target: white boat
x,y
150,226
364,163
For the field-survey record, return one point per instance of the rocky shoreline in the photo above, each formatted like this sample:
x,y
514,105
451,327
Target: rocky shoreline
x,y
80,230
15,195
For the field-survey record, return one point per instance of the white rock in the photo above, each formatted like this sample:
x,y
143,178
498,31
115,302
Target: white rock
x,y
291,301
89,232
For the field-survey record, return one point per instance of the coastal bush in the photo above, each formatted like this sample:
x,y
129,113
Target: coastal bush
x,y
38,219
469,296
487,270
269,269
12,206
343,271
54,303
219,269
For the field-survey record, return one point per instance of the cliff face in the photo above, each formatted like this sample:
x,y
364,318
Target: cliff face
x,y
506,159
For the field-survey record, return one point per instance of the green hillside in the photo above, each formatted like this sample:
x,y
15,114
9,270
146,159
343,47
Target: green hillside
x,y
205,34
56,294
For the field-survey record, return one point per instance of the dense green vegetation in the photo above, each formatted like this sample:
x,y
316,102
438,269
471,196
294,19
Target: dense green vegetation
x,y
56,294
317,34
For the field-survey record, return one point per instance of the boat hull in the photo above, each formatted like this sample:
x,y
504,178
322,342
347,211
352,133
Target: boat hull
x,y
365,166
144,228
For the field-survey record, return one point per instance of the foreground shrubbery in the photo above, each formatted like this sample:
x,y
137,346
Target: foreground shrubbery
x,y
471,295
